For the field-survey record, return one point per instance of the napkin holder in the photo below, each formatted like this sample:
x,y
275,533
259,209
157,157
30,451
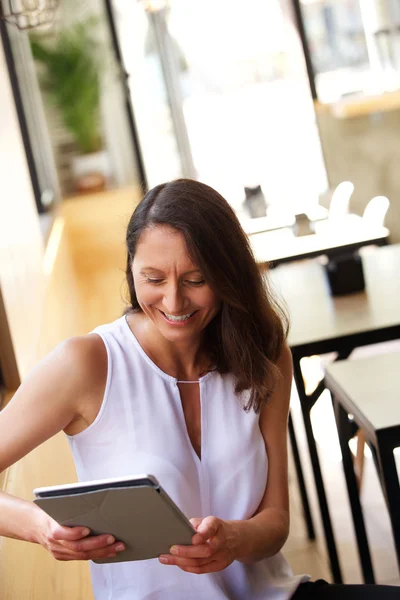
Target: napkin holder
x,y
345,274
302,225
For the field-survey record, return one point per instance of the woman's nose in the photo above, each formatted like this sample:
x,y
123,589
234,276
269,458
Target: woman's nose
x,y
174,300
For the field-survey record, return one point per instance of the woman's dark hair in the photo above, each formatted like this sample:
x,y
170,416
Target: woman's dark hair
x,y
246,337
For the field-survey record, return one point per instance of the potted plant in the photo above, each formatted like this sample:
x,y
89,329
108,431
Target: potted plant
x,y
71,76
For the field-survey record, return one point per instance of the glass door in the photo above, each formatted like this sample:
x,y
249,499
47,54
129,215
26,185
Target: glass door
x,y
220,93
152,62
354,46
32,120
246,101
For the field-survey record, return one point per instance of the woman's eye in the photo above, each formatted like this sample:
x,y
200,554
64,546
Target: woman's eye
x,y
155,281
196,283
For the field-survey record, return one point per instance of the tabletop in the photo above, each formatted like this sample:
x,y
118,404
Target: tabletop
x,y
316,316
278,219
331,235
369,389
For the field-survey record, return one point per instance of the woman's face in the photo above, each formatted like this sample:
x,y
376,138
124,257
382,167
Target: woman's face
x,y
170,289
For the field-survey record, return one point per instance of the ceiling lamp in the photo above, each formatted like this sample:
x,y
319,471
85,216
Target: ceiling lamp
x,y
28,14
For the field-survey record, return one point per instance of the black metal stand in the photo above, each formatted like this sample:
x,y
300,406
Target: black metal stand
x,y
306,406
301,482
345,432
387,441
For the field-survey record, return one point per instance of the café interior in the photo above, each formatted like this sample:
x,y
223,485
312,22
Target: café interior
x,y
291,110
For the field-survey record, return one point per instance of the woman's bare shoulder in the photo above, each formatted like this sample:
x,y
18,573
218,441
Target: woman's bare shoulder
x,y
80,359
65,388
78,366
76,363
87,355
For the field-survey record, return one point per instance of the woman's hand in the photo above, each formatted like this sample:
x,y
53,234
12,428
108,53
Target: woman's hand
x,y
76,543
214,547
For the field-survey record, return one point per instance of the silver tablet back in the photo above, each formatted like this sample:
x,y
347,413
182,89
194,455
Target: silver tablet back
x,y
144,518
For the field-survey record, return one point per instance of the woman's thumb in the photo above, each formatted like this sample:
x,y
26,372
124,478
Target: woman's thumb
x,y
70,533
195,522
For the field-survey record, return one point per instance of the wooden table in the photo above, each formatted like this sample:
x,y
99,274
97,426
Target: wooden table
x,y
331,237
368,389
321,323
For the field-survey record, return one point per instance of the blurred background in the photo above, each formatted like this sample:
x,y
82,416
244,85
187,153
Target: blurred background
x,y
274,103
233,93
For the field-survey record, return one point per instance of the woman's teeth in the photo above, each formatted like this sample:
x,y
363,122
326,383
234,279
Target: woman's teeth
x,y
178,318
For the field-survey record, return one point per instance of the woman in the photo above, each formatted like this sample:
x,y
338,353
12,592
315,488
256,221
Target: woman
x,y
191,385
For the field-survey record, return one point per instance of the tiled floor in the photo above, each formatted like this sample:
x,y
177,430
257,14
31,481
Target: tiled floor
x,y
310,557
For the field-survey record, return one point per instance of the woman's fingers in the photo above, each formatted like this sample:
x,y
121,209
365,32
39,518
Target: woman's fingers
x,y
205,529
63,553
59,532
197,538
210,553
195,522
93,542
167,559
200,551
194,565
76,543
211,567
208,527
59,554
186,552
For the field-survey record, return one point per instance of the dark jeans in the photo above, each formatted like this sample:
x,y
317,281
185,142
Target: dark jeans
x,y
314,590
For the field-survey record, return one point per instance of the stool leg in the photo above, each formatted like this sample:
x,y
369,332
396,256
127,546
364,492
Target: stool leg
x,y
319,483
344,432
301,482
391,489
359,460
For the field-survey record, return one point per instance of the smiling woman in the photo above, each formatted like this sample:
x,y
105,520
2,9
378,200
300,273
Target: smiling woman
x,y
172,293
185,228
191,385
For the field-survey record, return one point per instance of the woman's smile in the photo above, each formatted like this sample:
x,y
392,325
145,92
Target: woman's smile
x,y
179,320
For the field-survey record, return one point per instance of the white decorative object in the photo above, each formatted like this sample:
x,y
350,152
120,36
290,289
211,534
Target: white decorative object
x,y
95,162
376,209
340,201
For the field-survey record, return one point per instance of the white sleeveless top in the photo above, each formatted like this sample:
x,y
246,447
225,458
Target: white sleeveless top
x,y
141,428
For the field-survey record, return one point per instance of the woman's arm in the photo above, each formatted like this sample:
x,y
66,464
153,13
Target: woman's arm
x,y
266,532
50,398
219,542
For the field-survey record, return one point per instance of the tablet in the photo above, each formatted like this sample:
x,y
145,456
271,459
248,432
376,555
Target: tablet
x,y
135,510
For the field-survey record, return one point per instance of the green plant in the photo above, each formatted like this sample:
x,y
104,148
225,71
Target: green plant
x,y
71,76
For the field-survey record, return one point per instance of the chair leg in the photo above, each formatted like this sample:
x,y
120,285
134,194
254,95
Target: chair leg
x,y
359,458
301,482
345,432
